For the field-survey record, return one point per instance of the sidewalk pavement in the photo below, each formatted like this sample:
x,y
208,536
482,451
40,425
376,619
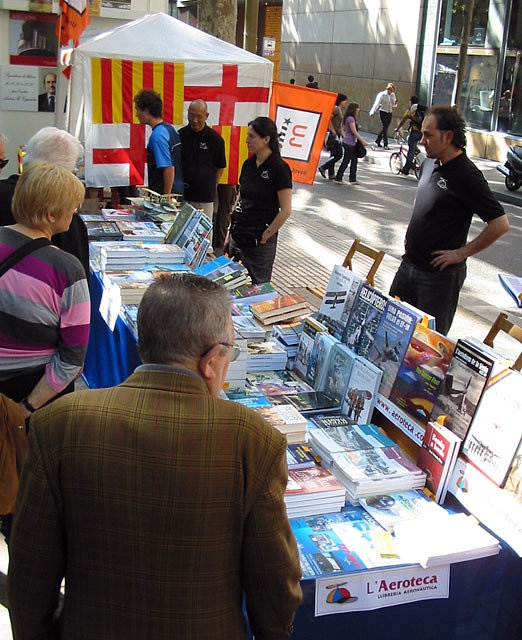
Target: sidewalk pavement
x,y
327,217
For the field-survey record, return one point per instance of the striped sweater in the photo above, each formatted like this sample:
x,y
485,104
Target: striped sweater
x,y
44,313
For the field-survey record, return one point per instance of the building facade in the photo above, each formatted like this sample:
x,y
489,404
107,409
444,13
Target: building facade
x,y
357,46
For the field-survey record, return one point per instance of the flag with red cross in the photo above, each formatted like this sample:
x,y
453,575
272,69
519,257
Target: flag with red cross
x,y
115,142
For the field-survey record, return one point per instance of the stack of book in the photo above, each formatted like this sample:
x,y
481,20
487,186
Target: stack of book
x,y
286,419
225,271
313,491
369,472
158,255
309,402
140,231
298,456
236,373
248,328
265,356
335,434
132,284
116,255
191,231
278,309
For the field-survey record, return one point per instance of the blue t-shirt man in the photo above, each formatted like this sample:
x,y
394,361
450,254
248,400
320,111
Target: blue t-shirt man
x,y
164,150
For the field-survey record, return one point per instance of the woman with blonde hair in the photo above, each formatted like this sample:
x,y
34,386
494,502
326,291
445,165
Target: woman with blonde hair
x,y
44,301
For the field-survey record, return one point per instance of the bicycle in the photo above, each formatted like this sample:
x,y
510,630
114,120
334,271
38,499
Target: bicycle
x,y
398,158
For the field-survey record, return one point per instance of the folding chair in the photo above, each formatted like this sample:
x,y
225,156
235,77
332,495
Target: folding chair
x,y
513,330
357,247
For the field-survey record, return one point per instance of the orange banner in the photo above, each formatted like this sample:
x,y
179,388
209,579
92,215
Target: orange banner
x,y
302,116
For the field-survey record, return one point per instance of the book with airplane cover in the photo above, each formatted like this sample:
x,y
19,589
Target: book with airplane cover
x,y
298,456
103,229
467,376
421,375
184,216
315,374
496,431
311,327
337,371
364,320
327,440
437,457
276,309
513,285
213,265
338,300
360,394
391,341
254,292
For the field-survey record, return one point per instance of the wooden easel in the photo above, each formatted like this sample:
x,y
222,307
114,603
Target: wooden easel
x,y
503,324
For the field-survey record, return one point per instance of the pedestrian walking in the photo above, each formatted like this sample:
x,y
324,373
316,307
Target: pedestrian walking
x,y
335,135
415,115
351,137
385,101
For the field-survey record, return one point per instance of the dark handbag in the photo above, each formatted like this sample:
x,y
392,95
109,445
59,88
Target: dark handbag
x,y
21,252
360,149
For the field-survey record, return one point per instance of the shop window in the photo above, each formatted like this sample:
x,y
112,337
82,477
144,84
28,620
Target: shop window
x,y
510,107
452,22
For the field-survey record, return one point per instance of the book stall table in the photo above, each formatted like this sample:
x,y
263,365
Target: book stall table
x,y
483,604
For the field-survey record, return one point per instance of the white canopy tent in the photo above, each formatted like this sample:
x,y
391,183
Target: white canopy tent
x,y
161,39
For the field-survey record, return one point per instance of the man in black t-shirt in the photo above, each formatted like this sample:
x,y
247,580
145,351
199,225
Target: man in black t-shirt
x,y
202,158
451,189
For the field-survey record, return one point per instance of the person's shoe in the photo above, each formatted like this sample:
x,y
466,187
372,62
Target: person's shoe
x,y
322,172
378,143
354,182
404,173
330,177
340,181
386,147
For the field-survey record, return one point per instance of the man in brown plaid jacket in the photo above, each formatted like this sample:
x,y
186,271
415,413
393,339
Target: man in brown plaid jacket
x,y
159,503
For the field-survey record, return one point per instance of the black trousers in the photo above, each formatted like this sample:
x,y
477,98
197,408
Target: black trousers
x,y
259,260
436,293
386,119
336,154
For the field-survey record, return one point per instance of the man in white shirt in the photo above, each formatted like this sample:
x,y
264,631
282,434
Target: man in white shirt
x,y
385,101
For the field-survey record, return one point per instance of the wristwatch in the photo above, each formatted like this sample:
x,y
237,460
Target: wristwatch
x,y
27,405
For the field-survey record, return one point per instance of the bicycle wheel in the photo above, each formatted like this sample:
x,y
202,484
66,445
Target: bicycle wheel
x,y
396,162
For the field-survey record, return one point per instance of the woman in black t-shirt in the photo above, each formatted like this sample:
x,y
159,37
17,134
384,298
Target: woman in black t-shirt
x,y
264,204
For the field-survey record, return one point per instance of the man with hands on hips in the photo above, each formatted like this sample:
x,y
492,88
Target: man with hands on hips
x,y
451,189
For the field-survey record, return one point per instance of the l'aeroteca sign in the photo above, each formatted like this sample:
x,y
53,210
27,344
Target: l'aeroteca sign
x,y
376,589
302,117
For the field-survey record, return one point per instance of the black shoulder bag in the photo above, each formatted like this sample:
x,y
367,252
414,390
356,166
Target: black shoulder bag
x,y
21,252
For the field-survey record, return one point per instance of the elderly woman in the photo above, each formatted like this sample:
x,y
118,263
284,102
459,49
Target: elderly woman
x,y
265,202
44,298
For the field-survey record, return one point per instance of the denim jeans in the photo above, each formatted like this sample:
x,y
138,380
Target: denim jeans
x,y
436,293
413,141
335,154
349,158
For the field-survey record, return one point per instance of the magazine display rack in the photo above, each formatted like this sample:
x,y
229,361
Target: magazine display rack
x,y
357,247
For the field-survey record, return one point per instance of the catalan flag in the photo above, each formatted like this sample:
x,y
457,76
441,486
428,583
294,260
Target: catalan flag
x,y
116,142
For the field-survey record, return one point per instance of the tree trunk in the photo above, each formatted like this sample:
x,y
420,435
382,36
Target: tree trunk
x,y
463,52
219,18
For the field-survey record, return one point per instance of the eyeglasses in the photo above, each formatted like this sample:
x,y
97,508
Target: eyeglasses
x,y
3,162
235,350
